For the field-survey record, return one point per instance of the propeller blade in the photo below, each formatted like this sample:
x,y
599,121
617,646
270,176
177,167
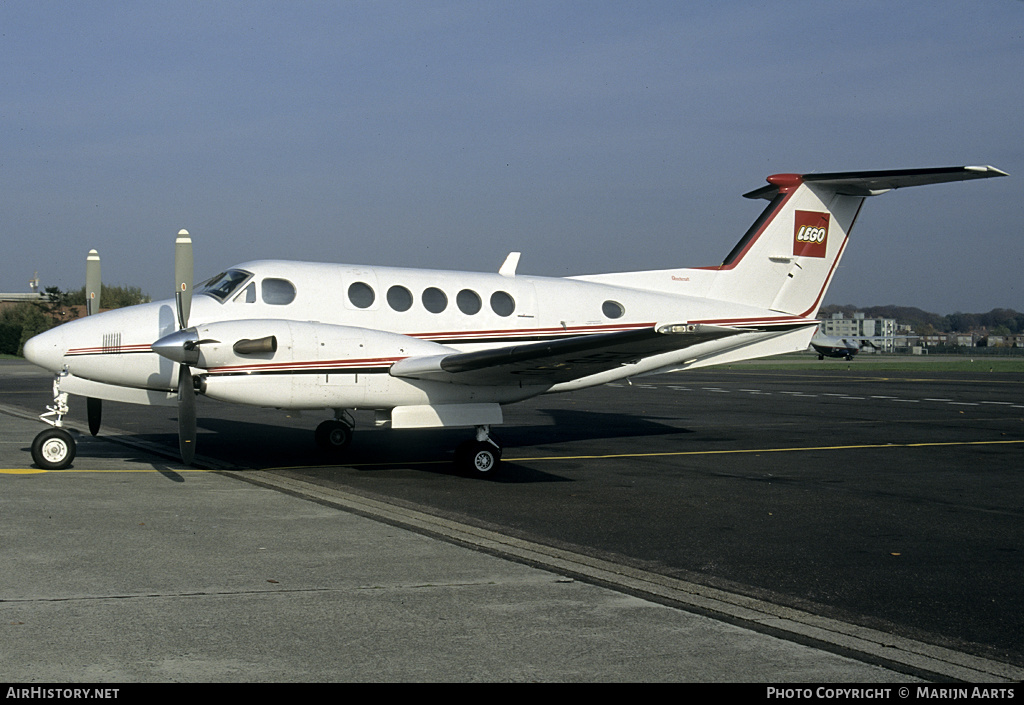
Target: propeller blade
x,y
183,276
186,415
93,287
92,283
94,407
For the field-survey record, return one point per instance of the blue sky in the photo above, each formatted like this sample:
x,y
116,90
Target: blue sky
x,y
592,136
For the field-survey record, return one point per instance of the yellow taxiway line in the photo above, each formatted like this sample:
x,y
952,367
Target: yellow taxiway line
x,y
605,456
755,451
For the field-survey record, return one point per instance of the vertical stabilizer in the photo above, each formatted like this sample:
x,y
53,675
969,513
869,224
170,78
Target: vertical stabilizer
x,y
787,258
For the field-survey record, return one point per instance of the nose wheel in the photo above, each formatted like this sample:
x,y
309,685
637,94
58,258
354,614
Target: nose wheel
x,y
53,449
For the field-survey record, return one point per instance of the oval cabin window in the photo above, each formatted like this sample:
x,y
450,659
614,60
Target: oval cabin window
x,y
434,300
613,309
277,292
502,303
399,298
468,301
361,295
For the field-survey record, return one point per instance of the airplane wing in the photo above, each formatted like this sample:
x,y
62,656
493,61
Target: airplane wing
x,y
551,362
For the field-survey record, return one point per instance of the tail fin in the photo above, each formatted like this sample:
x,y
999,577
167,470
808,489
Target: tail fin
x,y
787,258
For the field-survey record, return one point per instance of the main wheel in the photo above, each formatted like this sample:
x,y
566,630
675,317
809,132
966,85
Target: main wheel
x,y
53,449
333,436
478,458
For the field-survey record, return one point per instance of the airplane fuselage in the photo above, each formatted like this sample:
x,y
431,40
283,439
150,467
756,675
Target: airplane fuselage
x,y
339,329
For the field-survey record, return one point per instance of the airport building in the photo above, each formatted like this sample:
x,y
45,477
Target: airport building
x,y
9,300
859,326
33,295
900,338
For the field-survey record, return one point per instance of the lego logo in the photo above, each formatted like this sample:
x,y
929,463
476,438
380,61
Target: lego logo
x,y
809,233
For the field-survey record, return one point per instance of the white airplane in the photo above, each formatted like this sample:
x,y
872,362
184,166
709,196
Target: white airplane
x,y
427,348
845,347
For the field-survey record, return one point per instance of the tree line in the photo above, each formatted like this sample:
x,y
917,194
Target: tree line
x,y
998,321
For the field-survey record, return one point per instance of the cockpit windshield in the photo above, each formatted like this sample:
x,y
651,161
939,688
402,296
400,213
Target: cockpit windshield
x,y
224,285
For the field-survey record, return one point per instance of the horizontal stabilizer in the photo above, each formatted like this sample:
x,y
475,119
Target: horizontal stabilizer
x,y
872,183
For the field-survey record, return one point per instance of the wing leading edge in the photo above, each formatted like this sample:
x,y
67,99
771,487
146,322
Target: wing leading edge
x,y
552,362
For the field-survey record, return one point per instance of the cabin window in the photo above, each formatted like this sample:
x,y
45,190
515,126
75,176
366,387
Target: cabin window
x,y
277,292
434,300
399,298
468,301
361,295
247,295
502,303
613,309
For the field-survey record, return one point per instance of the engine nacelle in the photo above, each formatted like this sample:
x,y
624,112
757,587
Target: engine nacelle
x,y
303,365
277,345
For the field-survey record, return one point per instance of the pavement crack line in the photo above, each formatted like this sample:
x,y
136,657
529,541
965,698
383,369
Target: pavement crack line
x,y
237,593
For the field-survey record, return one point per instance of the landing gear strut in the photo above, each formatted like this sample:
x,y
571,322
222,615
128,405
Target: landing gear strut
x,y
54,448
481,456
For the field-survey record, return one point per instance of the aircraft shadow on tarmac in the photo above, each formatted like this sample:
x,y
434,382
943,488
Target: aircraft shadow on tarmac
x,y
257,445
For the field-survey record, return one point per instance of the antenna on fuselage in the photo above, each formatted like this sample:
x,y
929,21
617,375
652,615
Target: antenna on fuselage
x,y
508,269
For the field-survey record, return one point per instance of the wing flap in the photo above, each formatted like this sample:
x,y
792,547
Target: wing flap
x,y
551,362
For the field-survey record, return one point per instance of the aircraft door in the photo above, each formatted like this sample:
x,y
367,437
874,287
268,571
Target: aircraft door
x,y
524,309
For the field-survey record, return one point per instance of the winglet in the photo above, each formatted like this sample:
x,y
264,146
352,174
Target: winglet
x,y
508,269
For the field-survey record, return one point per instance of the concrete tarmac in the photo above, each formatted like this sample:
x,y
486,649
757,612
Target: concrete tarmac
x,y
130,567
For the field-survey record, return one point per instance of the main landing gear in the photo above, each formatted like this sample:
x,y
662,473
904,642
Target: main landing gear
x,y
480,457
335,435
54,448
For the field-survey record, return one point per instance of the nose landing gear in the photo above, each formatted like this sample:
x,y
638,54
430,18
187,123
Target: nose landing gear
x,y
54,448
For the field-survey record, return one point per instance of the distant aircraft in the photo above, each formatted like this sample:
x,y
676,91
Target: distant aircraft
x,y
844,347
428,348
